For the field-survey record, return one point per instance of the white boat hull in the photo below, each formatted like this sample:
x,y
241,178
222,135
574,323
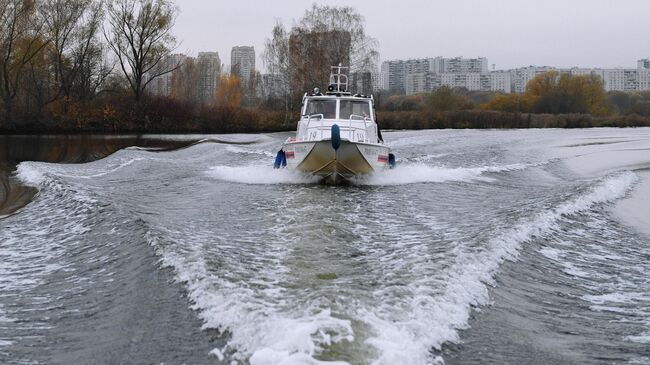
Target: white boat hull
x,y
334,166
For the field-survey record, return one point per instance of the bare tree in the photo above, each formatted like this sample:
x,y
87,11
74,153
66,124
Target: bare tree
x,y
20,42
72,27
323,37
364,52
277,60
93,72
185,81
140,36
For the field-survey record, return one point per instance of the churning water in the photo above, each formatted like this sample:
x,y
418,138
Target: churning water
x,y
483,247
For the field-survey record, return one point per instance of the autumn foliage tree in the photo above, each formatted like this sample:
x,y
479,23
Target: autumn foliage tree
x,y
446,99
229,93
555,93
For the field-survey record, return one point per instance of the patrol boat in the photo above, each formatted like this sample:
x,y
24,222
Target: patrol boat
x,y
337,137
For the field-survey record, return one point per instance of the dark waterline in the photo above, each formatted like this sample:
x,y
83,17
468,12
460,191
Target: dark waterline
x,y
64,149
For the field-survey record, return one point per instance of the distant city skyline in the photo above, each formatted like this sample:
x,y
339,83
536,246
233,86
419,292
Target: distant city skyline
x,y
511,34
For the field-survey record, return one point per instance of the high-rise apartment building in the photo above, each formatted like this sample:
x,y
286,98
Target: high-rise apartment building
x,y
459,65
162,85
614,79
242,62
521,76
425,74
209,66
394,73
361,82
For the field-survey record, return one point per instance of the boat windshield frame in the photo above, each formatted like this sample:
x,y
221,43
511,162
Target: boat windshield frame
x,y
333,112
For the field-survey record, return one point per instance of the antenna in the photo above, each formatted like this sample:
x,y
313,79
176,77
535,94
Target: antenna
x,y
338,80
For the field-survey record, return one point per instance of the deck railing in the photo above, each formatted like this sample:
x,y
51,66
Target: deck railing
x,y
316,132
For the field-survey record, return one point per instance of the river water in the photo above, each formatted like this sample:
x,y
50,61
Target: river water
x,y
490,247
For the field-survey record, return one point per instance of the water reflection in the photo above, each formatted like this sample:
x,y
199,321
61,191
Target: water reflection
x,y
64,149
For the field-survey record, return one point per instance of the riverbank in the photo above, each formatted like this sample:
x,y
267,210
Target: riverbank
x,y
169,118
488,119
13,194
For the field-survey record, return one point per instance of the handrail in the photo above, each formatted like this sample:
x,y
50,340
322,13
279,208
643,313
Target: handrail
x,y
321,117
365,124
309,117
350,127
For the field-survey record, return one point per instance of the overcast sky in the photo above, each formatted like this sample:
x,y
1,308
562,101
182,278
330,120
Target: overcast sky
x,y
510,33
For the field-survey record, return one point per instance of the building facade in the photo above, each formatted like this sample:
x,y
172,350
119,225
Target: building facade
x,y
209,65
521,76
162,85
426,74
614,79
361,82
242,62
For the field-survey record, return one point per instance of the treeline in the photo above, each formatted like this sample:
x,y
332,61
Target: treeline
x,y
555,93
487,119
50,55
85,66
551,100
88,65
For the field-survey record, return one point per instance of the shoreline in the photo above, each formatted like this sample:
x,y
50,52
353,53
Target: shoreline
x,y
13,194
247,120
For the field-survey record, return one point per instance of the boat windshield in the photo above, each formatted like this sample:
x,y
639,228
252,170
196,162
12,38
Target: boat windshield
x,y
354,109
325,107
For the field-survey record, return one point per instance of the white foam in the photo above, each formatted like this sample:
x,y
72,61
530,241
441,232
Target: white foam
x,y
261,332
5,343
642,338
573,270
236,149
640,360
551,253
119,166
426,158
421,173
616,298
29,173
259,175
435,319
265,327
35,173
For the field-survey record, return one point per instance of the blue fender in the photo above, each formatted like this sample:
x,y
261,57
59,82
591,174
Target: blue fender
x,y
336,137
280,160
391,161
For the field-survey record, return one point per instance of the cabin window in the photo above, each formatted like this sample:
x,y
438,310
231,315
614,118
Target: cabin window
x,y
352,109
325,107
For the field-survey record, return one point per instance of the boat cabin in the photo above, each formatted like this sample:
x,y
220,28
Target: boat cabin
x,y
354,114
